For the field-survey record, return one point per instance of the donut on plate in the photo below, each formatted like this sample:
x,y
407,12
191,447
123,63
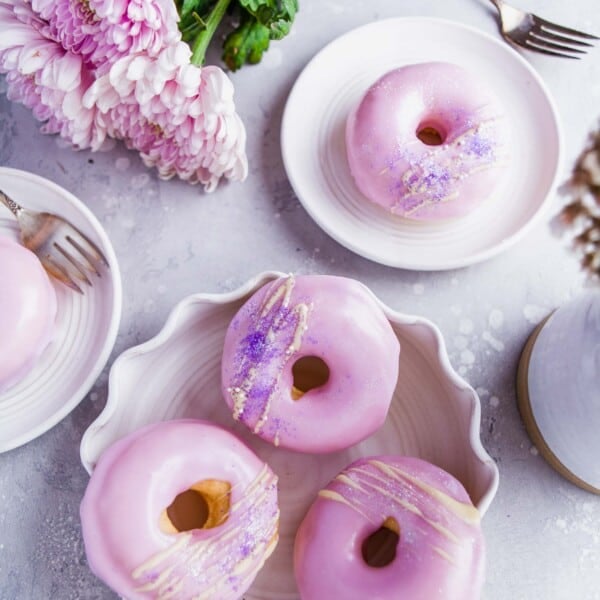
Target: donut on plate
x,y
390,527
27,311
310,363
180,509
427,141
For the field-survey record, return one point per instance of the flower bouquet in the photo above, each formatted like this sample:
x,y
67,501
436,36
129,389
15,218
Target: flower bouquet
x,y
132,70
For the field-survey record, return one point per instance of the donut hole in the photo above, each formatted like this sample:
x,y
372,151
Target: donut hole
x,y
309,373
379,548
431,133
202,506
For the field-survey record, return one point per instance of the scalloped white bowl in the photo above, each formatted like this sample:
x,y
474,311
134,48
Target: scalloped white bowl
x,y
434,414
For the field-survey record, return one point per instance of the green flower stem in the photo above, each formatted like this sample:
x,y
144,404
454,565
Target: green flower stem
x,y
204,37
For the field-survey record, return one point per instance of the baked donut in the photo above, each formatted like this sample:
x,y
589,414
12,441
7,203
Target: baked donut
x,y
180,509
390,527
27,311
427,141
310,363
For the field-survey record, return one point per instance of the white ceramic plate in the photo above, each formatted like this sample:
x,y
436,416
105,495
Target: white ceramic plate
x,y
434,414
314,154
86,325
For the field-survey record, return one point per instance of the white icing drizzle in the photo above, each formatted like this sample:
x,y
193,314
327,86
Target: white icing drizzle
x,y
205,562
282,293
449,157
467,512
444,554
369,482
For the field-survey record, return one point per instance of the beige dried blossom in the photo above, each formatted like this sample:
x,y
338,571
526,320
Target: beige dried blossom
x,y
581,216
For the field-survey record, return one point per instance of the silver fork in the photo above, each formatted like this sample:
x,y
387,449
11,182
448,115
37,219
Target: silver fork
x,y
534,33
65,252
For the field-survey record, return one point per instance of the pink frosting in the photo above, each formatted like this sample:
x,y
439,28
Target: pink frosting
x,y
332,318
395,169
134,482
27,311
440,553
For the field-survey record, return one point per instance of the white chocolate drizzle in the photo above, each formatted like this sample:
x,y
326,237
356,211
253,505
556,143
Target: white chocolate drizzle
x,y
374,479
275,312
197,564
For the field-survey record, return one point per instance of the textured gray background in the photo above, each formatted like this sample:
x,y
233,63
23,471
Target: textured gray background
x,y
542,533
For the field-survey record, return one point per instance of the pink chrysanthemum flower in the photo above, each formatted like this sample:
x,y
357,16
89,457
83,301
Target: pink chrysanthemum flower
x,y
180,118
46,78
102,31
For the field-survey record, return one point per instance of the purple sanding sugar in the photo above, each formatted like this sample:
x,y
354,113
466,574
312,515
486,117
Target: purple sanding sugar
x,y
479,146
260,358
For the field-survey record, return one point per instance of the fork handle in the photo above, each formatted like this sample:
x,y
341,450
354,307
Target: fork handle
x,y
14,208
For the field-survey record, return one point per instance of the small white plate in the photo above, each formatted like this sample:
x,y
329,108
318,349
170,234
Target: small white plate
x,y
86,324
314,153
434,413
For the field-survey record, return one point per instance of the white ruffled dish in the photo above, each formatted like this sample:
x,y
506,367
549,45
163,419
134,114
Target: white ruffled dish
x,y
314,152
86,324
434,414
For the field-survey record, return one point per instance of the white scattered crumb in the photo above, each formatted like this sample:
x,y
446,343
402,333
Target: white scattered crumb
x,y
462,370
495,401
561,524
496,319
94,396
465,326
122,163
467,357
534,314
418,289
482,392
534,451
492,341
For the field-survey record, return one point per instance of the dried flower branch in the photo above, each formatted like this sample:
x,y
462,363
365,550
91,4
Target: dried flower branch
x,y
581,216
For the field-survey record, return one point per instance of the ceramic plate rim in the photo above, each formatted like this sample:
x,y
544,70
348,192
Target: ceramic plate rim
x,y
115,320
243,290
441,264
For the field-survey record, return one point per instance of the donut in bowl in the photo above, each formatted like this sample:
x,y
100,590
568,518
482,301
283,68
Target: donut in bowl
x,y
427,142
27,312
390,527
310,363
180,509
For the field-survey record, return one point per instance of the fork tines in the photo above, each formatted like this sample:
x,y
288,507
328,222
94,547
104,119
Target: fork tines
x,y
557,40
81,257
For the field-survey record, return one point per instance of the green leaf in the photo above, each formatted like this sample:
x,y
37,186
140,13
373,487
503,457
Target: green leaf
x,y
200,7
273,14
279,29
246,44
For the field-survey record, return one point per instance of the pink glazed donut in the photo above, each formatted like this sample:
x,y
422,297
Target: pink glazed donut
x,y
27,312
390,527
427,142
180,509
310,363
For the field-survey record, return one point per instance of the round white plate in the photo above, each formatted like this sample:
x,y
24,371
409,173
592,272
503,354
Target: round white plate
x,y
314,153
434,414
86,324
